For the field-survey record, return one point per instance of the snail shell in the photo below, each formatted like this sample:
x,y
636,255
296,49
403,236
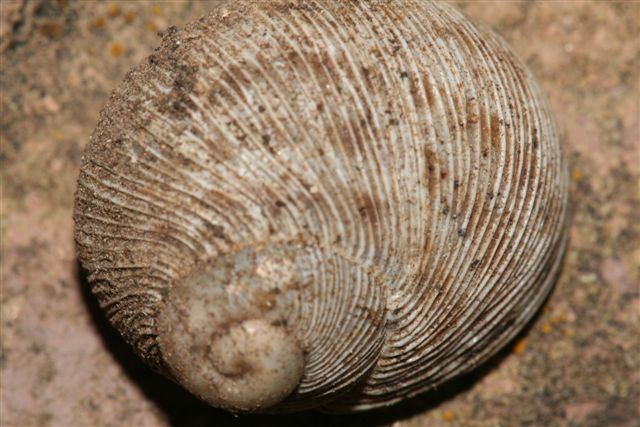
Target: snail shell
x,y
322,204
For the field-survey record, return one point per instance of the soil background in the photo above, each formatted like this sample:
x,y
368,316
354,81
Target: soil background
x,y
61,364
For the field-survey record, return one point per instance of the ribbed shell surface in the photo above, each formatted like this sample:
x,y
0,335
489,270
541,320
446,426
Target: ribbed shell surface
x,y
403,159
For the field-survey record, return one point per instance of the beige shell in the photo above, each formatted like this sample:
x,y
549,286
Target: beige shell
x,y
322,204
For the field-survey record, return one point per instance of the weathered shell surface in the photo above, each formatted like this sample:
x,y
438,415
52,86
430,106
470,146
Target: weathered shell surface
x,y
293,205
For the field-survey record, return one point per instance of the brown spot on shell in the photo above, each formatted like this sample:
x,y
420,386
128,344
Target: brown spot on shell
x,y
495,131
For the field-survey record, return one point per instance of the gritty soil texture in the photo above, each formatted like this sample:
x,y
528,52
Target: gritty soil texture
x,y
61,364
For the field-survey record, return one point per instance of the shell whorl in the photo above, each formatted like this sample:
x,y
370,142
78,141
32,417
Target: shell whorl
x,y
315,200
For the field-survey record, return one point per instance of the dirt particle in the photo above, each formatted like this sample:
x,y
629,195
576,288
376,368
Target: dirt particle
x,y
217,231
99,22
577,175
116,49
520,346
129,16
448,416
368,208
51,29
279,323
560,318
496,138
113,10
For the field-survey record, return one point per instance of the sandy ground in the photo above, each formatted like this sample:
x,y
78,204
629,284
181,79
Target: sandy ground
x,y
61,364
